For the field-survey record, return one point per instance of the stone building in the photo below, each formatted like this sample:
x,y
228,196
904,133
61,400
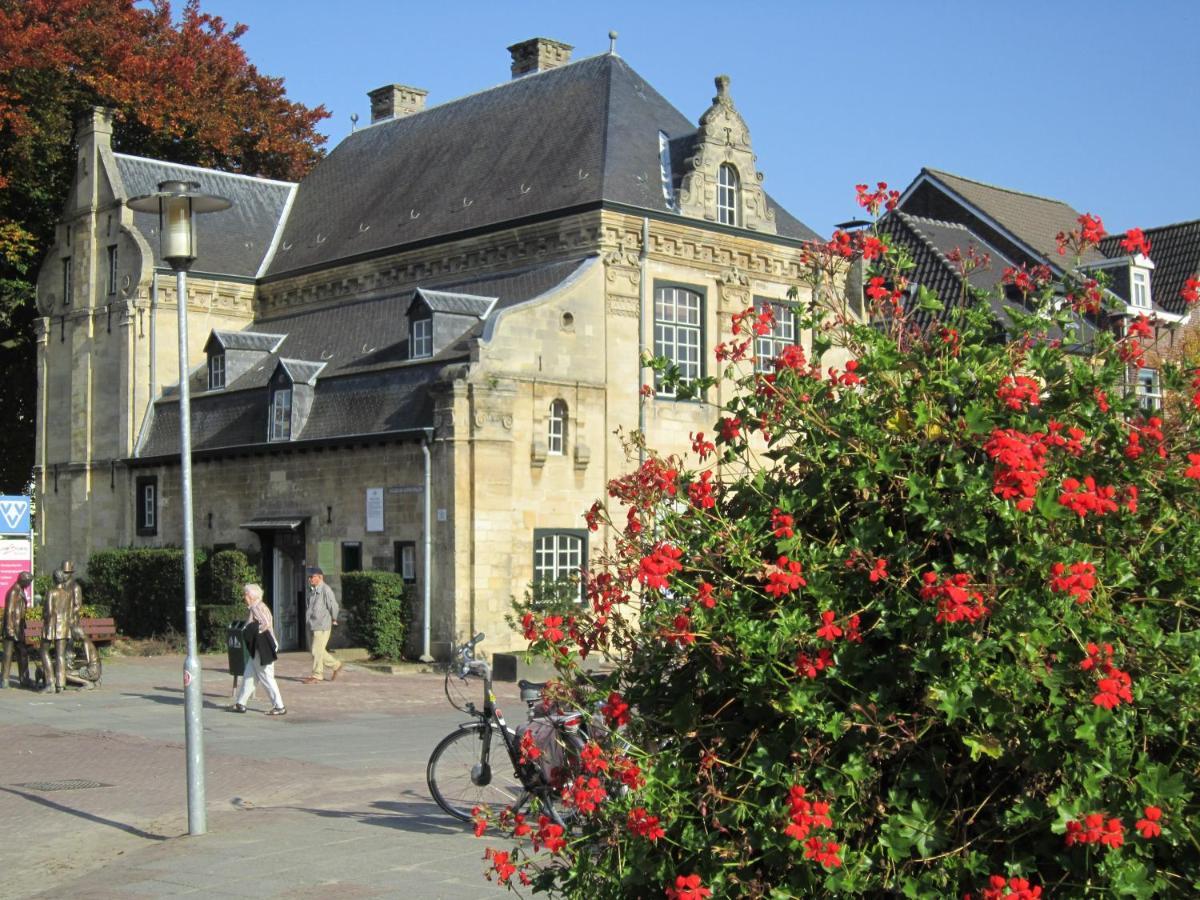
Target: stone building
x,y
418,357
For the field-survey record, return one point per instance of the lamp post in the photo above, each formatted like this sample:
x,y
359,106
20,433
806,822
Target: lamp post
x,y
177,204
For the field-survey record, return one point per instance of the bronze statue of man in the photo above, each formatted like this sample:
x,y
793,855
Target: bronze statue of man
x,y
56,627
12,627
77,632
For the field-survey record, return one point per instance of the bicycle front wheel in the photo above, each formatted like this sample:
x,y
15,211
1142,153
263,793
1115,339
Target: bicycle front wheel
x,y
471,767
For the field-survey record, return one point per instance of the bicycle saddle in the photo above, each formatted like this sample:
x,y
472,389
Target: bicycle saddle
x,y
531,690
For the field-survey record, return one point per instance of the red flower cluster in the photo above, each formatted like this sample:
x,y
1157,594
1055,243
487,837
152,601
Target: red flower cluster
x,y
810,666
704,596
1190,292
873,248
1151,429
829,629
731,427
955,599
644,825
1027,281
529,748
1016,392
791,357
550,631
700,493
782,524
1113,684
1087,497
827,853
584,793
700,446
1141,327
662,561
1193,469
688,887
501,865
1020,464
615,710
1000,888
804,816
878,291
785,577
1088,234
627,771
1072,443
1095,830
479,820
1149,827
680,632
592,516
1078,582
849,378
549,835
871,201
1088,298
1135,242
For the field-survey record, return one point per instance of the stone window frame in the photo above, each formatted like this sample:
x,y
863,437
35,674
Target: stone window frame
x,y
216,371
560,538
557,427
698,328
398,549
420,345
113,259
279,426
768,346
729,195
146,505
66,280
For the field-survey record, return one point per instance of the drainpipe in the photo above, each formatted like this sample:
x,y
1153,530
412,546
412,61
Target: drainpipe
x,y
426,656
642,334
153,331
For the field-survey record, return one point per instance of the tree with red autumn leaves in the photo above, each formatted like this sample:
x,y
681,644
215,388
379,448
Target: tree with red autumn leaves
x,y
182,92
924,625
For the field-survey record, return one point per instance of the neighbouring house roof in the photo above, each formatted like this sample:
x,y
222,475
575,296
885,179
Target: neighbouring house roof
x,y
1034,221
355,354
234,242
566,138
1175,252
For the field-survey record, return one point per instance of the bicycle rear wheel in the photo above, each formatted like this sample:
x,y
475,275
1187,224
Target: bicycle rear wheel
x,y
471,767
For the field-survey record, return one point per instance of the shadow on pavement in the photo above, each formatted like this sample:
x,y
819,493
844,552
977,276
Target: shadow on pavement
x,y
172,700
419,815
99,820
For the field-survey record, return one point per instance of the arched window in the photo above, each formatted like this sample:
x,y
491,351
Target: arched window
x,y
728,200
556,428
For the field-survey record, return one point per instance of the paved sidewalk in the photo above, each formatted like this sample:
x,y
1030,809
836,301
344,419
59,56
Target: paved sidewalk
x,y
331,797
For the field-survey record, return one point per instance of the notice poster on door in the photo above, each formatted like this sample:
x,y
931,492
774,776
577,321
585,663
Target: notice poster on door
x,y
375,509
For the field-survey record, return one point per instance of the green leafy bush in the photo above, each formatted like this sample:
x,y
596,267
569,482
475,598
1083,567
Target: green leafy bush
x,y
919,620
212,624
379,611
143,588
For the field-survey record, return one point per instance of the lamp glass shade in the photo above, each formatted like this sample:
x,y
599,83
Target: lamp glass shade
x,y
178,230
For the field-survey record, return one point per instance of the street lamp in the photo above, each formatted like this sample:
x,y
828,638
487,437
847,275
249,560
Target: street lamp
x,y
177,204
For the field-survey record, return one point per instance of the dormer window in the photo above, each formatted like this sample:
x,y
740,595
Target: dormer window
x,y
1140,289
728,186
216,371
556,429
281,414
421,338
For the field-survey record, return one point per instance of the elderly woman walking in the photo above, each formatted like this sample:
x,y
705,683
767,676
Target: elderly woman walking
x,y
258,637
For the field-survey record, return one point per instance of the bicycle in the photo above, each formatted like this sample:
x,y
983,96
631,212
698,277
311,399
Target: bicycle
x,y
460,773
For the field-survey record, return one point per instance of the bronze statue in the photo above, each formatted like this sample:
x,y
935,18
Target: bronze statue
x,y
13,629
77,632
56,628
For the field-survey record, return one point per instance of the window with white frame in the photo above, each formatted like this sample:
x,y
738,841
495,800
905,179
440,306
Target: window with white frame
x,y
728,185
558,562
406,560
421,338
216,371
1149,391
1141,289
112,269
677,332
281,414
782,334
556,428
146,499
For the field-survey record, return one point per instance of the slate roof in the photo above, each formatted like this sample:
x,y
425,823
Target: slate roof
x,y
569,137
1175,251
365,383
1035,221
458,304
247,340
302,371
234,242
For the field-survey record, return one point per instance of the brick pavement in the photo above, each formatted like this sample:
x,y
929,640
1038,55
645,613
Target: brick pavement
x,y
330,796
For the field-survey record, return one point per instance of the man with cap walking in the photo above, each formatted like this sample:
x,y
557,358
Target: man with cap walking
x,y
321,614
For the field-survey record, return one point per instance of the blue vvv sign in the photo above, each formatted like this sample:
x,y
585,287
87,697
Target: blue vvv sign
x,y
14,514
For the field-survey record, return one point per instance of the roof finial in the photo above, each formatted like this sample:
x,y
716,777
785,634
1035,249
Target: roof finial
x,y
722,82
353,122
612,43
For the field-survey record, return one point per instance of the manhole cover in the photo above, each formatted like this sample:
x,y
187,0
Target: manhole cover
x,y
67,784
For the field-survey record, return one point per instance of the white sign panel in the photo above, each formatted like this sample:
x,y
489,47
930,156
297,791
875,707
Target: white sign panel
x,y
375,509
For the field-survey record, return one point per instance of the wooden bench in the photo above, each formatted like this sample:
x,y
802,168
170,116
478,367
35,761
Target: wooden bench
x,y
99,631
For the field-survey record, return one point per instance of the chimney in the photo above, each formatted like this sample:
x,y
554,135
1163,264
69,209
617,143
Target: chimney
x,y
538,55
395,101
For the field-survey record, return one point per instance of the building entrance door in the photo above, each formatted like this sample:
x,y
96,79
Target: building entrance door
x,y
284,602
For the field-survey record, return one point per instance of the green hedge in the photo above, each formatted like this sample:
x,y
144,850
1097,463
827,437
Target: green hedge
x,y
212,622
229,572
379,611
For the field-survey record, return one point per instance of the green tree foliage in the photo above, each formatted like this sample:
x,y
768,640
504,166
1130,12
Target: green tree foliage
x,y
182,92
920,623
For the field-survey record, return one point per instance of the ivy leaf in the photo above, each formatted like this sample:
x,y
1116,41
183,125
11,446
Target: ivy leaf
x,y
983,745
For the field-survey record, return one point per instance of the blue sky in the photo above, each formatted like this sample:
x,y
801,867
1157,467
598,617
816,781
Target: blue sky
x,y
1097,104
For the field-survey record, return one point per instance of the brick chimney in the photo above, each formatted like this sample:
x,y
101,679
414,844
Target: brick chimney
x,y
538,55
395,101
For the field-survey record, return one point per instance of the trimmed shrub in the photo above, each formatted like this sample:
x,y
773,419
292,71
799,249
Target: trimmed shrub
x,y
229,572
143,588
212,622
379,611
